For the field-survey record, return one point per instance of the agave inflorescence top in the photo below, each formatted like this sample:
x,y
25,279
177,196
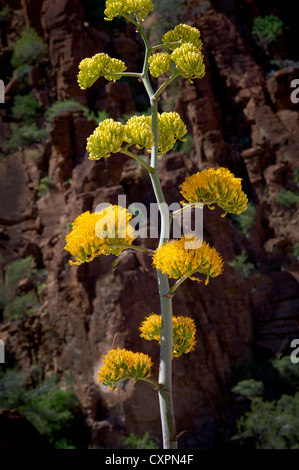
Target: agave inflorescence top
x,y
216,187
140,8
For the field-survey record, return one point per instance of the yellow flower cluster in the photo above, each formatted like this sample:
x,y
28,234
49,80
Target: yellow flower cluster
x,y
123,364
183,332
140,8
99,233
181,34
186,256
138,131
171,128
189,61
159,63
100,65
216,186
107,138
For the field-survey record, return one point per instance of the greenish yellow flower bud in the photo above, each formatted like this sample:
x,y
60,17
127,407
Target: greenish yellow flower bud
x,y
189,61
138,131
181,34
140,8
159,63
100,65
107,138
170,128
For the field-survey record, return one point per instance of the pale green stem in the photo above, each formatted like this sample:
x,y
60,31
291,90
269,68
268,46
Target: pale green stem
x,y
127,74
165,45
176,285
138,159
195,205
165,370
152,382
134,247
165,84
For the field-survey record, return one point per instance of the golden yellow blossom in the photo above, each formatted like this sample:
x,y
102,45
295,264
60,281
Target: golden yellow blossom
x,y
159,63
99,233
121,364
181,34
107,138
100,65
186,256
189,61
140,8
183,332
216,187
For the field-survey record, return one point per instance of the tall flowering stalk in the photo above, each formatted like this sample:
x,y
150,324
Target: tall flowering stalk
x,y
109,231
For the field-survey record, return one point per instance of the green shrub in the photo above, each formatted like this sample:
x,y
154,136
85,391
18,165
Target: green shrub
x,y
288,372
28,50
266,30
21,306
240,264
25,135
99,116
60,107
147,441
271,425
245,221
249,388
287,198
50,407
25,108
19,269
272,420
12,389
44,186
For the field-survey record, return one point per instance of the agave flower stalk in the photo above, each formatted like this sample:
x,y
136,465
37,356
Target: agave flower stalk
x,y
165,367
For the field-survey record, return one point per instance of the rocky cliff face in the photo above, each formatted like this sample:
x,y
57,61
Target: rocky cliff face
x,y
240,117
